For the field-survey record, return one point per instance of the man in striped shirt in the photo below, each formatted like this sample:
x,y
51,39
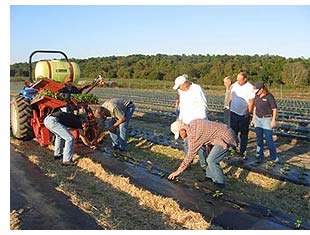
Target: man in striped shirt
x,y
203,132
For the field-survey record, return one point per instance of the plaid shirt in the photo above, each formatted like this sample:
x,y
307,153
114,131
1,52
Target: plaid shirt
x,y
202,132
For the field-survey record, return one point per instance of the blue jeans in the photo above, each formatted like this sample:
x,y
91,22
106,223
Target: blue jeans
x,y
202,153
240,124
263,127
119,138
214,170
64,142
226,117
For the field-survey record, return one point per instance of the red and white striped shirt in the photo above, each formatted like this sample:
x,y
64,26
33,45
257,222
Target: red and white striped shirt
x,y
202,132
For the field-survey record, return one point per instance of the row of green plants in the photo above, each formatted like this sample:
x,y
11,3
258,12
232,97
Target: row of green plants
x,y
80,98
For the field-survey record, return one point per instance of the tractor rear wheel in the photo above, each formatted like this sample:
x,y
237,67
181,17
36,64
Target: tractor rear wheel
x,y
21,114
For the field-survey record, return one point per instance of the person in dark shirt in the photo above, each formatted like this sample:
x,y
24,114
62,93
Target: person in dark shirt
x,y
66,93
69,88
58,123
264,120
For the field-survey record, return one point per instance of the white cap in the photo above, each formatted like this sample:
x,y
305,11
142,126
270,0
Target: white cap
x,y
179,81
175,128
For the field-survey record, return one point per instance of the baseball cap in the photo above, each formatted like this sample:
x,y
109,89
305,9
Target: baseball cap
x,y
68,79
175,128
179,81
259,85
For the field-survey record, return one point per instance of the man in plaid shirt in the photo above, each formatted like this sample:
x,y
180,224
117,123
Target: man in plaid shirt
x,y
203,132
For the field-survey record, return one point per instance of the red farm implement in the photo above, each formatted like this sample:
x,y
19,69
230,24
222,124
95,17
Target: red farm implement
x,y
28,109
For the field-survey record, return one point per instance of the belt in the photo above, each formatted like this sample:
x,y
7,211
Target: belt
x,y
265,116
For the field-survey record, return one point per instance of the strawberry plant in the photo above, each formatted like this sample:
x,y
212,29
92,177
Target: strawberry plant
x,y
298,223
161,174
50,94
85,98
286,167
217,194
196,185
282,171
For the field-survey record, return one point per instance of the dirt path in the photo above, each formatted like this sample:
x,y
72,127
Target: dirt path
x,y
38,204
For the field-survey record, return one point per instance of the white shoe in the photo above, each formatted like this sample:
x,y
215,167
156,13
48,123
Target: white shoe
x,y
276,160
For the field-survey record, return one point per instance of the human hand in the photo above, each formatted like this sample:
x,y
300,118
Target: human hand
x,y
93,147
173,175
112,129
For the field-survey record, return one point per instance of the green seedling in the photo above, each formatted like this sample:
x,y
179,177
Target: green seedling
x,y
268,212
233,152
161,174
271,163
217,194
286,167
301,177
282,171
298,223
196,185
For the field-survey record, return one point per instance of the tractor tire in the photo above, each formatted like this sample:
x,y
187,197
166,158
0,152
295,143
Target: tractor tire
x,y
21,114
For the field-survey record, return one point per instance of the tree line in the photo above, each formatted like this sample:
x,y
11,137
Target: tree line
x,y
207,69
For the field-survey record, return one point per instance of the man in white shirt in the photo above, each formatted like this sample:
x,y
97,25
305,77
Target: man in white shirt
x,y
241,106
192,104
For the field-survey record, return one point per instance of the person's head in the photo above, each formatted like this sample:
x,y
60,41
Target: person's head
x,y
227,81
242,78
178,129
180,82
85,124
68,81
101,112
260,88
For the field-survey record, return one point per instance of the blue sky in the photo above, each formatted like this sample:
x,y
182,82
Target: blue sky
x,y
95,31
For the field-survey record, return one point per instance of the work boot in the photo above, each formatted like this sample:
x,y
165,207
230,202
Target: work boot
x,y
69,163
58,157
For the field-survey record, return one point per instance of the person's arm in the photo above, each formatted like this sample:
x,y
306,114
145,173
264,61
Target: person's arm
x,y
253,118
177,101
274,116
85,140
193,148
117,123
99,133
250,106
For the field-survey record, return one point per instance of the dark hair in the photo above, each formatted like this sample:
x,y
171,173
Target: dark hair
x,y
102,110
243,74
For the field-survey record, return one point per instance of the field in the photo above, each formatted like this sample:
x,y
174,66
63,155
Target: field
x,y
119,200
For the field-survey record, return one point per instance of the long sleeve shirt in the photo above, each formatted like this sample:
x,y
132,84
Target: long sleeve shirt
x,y
202,132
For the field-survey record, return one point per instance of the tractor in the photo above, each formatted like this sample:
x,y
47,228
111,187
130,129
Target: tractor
x,y
29,108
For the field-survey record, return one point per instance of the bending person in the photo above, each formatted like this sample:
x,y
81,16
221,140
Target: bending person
x,y
202,132
120,111
58,123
